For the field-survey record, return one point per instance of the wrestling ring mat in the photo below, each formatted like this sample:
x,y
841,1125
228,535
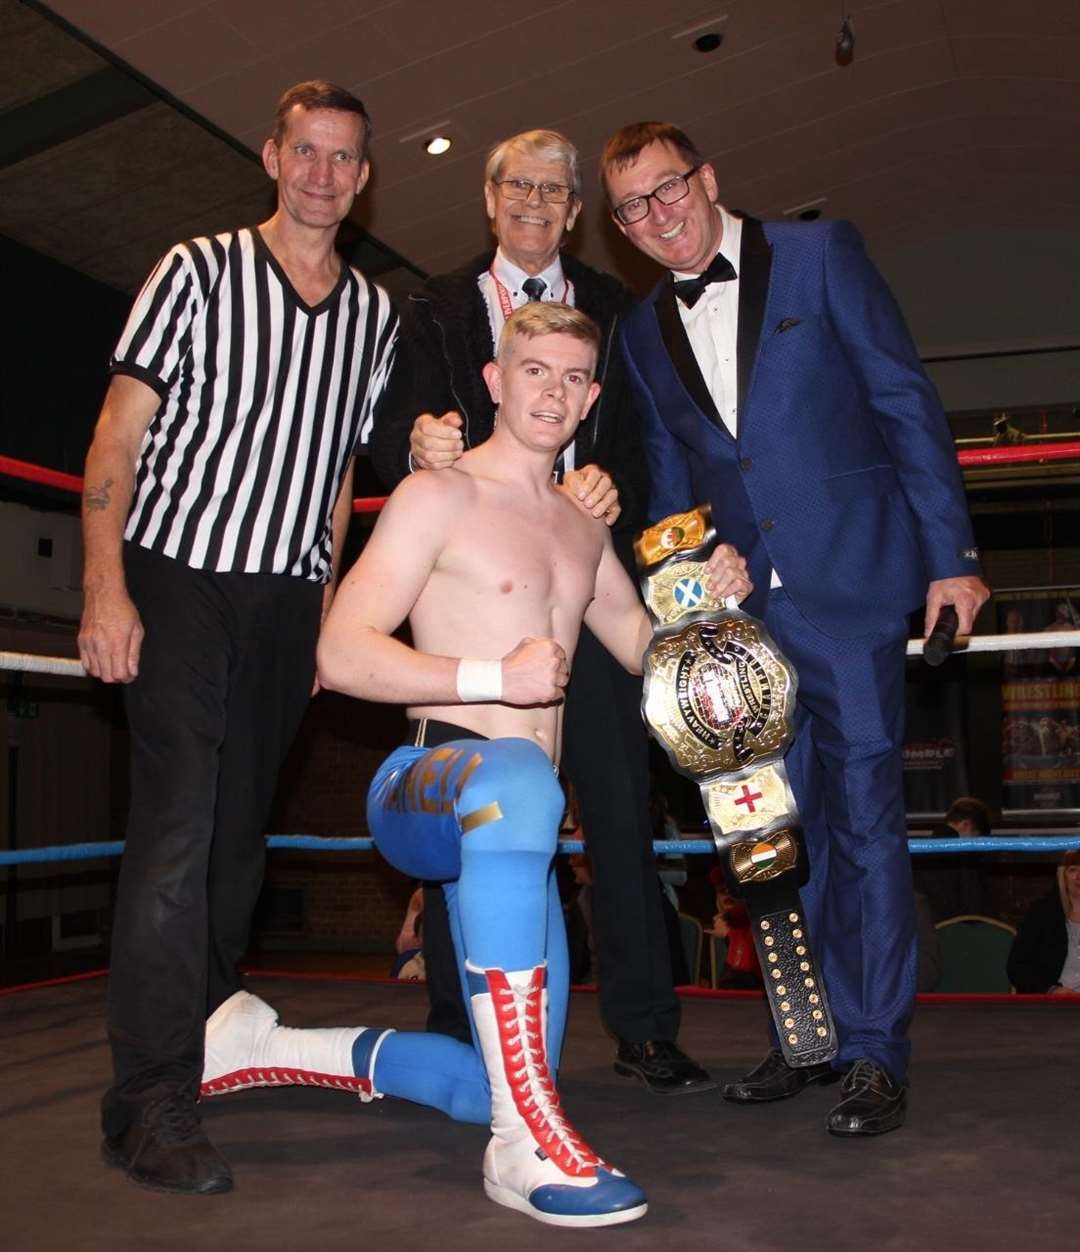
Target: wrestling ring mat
x,y
985,1162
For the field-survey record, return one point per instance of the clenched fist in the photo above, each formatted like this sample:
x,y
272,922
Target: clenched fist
x,y
535,672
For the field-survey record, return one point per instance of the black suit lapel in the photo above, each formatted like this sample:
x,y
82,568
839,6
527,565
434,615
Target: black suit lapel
x,y
673,333
755,262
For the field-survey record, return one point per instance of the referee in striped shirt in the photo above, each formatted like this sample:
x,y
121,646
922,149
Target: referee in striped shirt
x,y
218,490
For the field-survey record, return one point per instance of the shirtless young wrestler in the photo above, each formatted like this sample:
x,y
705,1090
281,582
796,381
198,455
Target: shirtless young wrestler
x,y
495,568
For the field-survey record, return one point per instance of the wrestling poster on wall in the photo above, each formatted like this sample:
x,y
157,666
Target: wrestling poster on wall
x,y
935,768
1040,698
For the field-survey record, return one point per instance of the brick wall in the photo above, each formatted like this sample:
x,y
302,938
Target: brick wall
x,y
351,901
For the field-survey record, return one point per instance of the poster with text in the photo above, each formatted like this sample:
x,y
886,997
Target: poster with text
x,y
1040,698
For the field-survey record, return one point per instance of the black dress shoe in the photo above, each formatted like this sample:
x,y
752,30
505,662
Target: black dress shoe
x,y
873,1104
662,1066
166,1149
775,1079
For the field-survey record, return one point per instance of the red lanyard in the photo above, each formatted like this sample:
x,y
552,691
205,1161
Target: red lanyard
x,y
504,295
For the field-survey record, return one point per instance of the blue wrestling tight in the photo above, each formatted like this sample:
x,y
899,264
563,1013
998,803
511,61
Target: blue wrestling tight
x,y
482,817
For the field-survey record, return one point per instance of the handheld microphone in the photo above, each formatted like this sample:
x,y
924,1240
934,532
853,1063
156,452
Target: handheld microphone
x,y
939,642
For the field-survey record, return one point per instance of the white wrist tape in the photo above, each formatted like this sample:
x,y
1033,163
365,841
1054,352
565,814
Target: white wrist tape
x,y
479,682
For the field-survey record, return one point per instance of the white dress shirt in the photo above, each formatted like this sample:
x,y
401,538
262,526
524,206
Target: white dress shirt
x,y
506,275
712,326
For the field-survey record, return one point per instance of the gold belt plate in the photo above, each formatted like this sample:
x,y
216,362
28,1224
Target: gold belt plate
x,y
718,696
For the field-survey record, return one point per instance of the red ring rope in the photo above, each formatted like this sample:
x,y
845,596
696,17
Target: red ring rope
x,y
1017,454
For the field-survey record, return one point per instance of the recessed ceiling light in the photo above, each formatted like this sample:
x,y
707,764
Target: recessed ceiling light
x,y
709,42
437,145
808,211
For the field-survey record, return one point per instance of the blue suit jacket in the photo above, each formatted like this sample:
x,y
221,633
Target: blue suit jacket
x,y
844,476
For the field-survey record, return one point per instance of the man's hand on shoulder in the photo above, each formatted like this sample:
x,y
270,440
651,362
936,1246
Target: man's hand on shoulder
x,y
535,672
436,442
593,491
110,635
967,593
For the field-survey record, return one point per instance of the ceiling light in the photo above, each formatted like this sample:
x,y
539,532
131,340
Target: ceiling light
x,y
437,145
808,211
845,43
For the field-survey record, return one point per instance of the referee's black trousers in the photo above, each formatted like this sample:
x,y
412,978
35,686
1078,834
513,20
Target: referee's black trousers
x,y
606,758
225,675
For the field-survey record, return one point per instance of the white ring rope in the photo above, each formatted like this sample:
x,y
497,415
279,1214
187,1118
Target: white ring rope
x,y
1038,640
27,663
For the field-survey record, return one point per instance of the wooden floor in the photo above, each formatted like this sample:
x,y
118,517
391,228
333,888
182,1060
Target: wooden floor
x,y
986,1163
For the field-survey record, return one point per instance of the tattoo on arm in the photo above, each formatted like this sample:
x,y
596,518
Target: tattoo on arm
x,y
98,497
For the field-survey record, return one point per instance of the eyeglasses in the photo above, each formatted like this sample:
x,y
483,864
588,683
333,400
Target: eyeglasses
x,y
671,192
522,189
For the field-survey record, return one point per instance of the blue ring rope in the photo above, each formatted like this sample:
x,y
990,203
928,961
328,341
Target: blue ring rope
x,y
319,843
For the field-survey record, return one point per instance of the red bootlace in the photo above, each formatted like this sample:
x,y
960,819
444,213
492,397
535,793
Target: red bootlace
x,y
525,1062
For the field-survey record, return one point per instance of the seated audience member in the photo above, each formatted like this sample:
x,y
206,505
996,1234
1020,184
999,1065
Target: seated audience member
x,y
741,970
955,885
1045,955
409,963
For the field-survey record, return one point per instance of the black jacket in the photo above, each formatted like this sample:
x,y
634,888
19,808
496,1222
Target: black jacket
x,y
1040,946
445,340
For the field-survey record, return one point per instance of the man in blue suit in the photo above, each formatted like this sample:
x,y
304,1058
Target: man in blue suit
x,y
778,382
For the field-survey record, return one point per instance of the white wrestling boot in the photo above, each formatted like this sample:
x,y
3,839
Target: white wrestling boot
x,y
536,1162
245,1047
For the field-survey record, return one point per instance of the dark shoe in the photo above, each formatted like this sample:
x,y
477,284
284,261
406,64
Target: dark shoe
x,y
165,1149
873,1104
662,1066
775,1079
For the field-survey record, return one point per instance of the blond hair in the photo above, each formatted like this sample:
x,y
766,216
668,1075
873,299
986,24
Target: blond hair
x,y
537,318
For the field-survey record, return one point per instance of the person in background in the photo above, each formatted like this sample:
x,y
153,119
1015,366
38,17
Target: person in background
x,y
731,922
409,963
954,884
1045,956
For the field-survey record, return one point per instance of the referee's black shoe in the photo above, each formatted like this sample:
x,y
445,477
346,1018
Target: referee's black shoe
x,y
165,1149
662,1066
775,1079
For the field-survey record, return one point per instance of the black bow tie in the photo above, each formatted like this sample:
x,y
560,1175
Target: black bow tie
x,y
720,271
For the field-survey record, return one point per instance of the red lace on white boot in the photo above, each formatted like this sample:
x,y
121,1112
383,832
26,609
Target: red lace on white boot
x,y
536,1161
245,1047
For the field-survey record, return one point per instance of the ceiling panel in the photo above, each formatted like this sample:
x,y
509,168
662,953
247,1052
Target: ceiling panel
x,y
949,106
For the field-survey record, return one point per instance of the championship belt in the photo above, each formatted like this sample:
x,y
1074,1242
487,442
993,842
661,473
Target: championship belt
x,y
719,697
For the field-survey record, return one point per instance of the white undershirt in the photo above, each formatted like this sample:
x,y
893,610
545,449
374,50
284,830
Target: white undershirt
x,y
712,326
559,288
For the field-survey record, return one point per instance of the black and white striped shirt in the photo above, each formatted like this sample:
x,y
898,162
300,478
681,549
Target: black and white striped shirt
x,y
264,400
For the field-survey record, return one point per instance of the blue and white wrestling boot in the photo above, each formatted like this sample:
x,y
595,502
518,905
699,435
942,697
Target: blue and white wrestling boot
x,y
536,1162
245,1047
